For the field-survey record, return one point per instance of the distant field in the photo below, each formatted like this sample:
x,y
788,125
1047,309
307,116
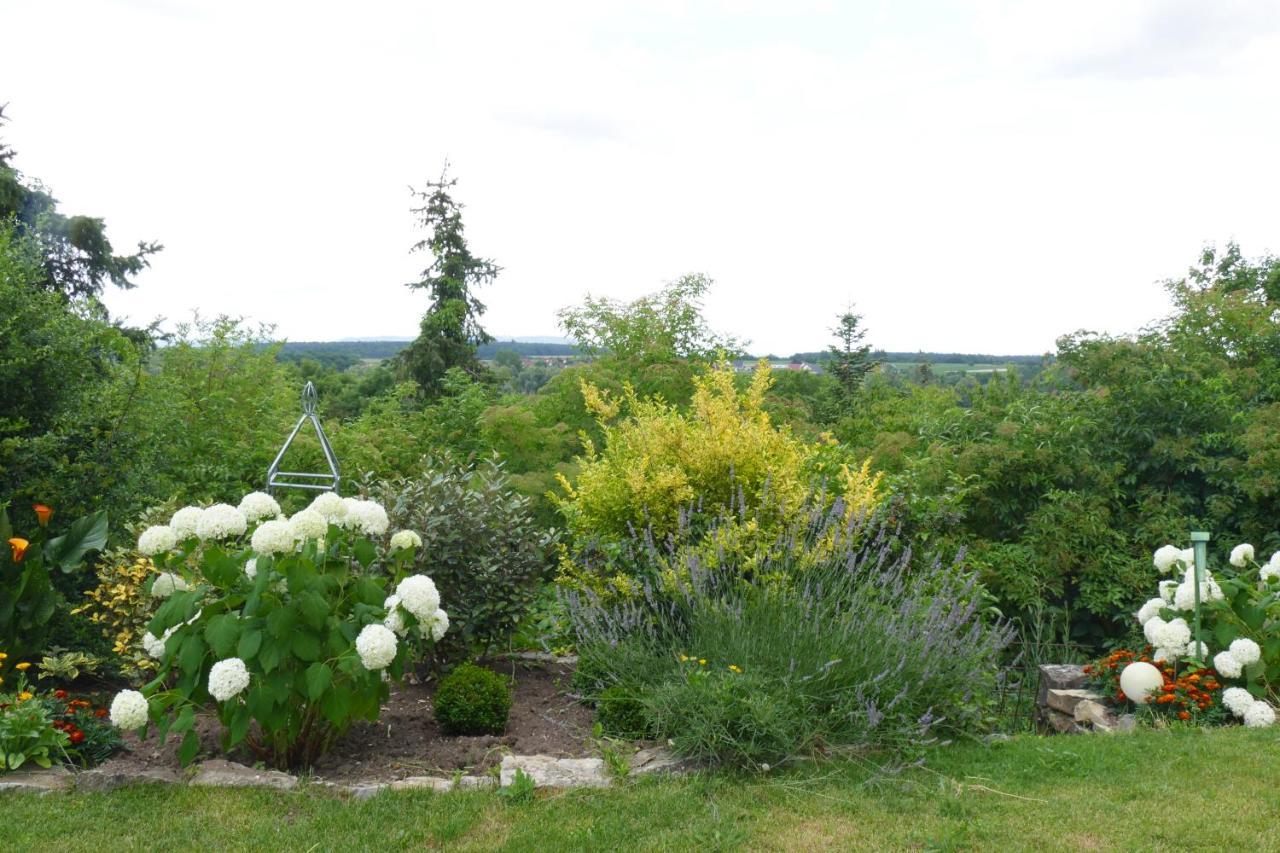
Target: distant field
x,y
947,366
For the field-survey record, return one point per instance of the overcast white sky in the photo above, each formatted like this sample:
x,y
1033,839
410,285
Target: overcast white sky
x,y
976,176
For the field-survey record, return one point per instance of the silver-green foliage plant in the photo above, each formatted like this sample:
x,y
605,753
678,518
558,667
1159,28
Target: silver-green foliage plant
x,y
481,546
289,627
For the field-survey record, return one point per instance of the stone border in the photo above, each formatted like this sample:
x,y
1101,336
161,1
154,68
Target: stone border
x,y
546,772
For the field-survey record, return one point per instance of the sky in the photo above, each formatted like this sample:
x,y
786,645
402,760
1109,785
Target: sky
x,y
973,176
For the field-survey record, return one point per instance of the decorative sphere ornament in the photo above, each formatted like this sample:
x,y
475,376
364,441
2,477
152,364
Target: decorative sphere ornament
x,y
1139,680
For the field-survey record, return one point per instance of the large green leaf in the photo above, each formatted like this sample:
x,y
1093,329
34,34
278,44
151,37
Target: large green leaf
x,y
85,535
319,677
222,632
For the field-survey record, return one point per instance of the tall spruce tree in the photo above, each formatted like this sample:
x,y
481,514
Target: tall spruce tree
x,y
850,359
450,330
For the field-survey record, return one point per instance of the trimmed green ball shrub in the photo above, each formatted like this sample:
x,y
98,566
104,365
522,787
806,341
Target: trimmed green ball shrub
x,y
472,700
621,714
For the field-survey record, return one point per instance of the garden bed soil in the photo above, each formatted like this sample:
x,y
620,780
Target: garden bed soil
x,y
406,741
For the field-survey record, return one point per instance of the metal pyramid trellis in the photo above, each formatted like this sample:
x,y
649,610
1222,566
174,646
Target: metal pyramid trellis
x,y
277,479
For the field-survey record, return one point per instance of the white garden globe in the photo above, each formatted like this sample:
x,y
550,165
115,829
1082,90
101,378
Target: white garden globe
x,y
1139,680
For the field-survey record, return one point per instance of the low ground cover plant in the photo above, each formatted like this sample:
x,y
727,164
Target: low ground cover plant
x,y
47,727
290,627
870,647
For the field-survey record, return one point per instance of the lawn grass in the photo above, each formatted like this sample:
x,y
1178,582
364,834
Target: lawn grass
x,y
1174,790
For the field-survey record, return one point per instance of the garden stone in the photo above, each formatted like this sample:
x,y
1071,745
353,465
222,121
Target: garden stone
x,y
657,760
365,792
1096,715
1061,723
1126,723
1067,700
551,772
227,774
1059,676
108,777
37,780
413,783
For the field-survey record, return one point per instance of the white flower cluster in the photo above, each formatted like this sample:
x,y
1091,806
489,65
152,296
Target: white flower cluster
x,y
153,645
221,521
308,524
366,516
1168,556
329,505
1238,655
184,521
1255,713
129,710
376,646
1241,556
259,505
166,584
227,679
437,625
434,626
405,539
251,568
156,539
1272,569
419,596
273,537
1170,638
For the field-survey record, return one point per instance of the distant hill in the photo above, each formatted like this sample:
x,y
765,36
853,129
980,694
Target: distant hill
x,y
342,354
932,358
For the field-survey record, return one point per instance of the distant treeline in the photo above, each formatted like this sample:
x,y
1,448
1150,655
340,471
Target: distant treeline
x,y
933,357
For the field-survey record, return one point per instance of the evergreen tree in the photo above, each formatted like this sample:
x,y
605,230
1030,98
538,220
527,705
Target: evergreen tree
x,y
450,330
849,358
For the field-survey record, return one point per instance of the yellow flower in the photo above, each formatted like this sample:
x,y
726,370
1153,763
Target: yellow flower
x,y
3,656
733,667
24,695
702,661
684,658
22,667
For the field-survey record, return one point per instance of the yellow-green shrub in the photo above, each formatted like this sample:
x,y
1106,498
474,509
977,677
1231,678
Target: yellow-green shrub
x,y
661,469
120,608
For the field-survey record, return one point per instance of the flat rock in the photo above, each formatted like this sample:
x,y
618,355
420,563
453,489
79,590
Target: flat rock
x,y
37,780
414,783
549,772
1095,714
657,760
1059,676
1067,700
1063,724
365,792
217,773
108,777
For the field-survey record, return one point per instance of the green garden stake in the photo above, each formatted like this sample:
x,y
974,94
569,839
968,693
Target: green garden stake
x,y
1199,544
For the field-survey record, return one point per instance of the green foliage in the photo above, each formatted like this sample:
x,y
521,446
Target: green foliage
x,y
621,713
849,360
479,544
27,734
450,329
28,597
472,700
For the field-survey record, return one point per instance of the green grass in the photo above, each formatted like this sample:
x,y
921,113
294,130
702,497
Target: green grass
x,y
1176,790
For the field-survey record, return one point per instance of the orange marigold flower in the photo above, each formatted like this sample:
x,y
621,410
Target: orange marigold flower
x,y
1184,715
43,513
19,546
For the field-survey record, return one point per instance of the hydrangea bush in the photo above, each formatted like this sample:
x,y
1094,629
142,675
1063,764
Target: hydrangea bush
x,y
291,627
1240,634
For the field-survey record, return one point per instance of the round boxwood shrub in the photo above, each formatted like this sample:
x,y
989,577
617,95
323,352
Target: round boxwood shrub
x,y
621,714
472,700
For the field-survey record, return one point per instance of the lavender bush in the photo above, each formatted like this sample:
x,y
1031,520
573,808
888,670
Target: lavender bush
x,y
863,647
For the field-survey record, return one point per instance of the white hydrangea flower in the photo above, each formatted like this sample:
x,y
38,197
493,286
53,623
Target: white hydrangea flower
x,y
1162,654
1187,556
184,521
273,537
308,524
1151,609
394,620
1237,700
1271,569
331,506
227,679
251,568
1241,555
1165,557
350,510
419,596
366,516
221,521
1199,651
1259,715
259,505
153,645
129,710
1173,635
376,646
1151,630
1166,590
156,539
437,626
166,584
1245,650
405,539
1227,665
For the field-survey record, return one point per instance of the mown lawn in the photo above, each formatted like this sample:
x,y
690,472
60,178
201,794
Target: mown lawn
x,y
1187,789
